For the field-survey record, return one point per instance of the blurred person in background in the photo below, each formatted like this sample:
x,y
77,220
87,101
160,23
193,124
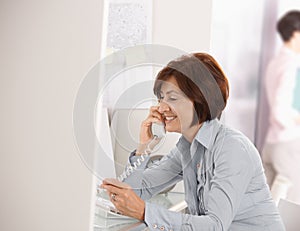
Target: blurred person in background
x,y
281,153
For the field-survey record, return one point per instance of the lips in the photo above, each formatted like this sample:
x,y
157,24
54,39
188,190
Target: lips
x,y
169,118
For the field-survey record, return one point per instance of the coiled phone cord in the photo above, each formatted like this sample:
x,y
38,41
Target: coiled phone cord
x,y
132,167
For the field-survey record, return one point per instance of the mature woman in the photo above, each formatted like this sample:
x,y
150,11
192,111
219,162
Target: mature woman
x,y
225,185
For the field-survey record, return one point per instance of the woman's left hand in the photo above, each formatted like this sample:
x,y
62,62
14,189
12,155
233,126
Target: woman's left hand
x,y
124,198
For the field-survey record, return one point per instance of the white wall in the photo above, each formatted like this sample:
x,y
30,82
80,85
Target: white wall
x,y
185,25
46,48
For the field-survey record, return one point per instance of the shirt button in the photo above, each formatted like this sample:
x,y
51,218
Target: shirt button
x,y
162,228
155,226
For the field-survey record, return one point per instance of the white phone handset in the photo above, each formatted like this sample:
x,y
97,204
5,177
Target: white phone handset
x,y
158,130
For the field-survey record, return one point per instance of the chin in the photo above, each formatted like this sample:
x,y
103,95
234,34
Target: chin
x,y
172,129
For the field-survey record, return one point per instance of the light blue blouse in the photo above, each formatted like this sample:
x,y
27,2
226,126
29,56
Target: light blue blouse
x,y
225,185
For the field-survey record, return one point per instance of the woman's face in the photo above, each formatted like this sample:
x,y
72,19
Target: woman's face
x,y
177,110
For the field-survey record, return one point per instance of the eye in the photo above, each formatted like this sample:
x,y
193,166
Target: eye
x,y
172,98
160,97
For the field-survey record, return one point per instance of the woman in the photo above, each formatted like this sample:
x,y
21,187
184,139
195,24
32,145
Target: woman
x,y
281,152
225,186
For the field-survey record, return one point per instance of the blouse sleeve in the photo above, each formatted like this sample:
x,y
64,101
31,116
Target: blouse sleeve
x,y
147,182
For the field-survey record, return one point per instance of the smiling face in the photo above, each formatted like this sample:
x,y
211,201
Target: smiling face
x,y
193,89
176,109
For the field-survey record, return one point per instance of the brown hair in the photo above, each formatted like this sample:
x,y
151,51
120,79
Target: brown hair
x,y
288,24
202,80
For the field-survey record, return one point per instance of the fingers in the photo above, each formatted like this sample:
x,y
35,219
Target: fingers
x,y
154,117
112,189
155,113
146,132
113,186
115,182
124,198
118,196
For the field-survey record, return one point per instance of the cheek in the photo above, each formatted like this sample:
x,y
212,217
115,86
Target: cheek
x,y
186,113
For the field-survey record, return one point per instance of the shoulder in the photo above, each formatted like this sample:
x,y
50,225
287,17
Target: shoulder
x,y
283,62
234,146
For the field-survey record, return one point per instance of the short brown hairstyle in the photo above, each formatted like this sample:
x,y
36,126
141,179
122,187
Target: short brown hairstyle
x,y
288,24
202,80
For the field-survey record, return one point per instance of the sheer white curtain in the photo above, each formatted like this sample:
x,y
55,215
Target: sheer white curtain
x,y
236,44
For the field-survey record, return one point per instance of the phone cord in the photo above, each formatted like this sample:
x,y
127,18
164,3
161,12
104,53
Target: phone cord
x,y
130,168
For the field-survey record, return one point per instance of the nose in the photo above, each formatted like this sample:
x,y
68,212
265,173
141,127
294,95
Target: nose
x,y
163,107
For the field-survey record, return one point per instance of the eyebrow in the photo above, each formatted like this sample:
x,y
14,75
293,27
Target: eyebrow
x,y
171,91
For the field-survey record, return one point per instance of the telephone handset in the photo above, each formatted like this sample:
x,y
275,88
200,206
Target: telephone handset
x,y
158,131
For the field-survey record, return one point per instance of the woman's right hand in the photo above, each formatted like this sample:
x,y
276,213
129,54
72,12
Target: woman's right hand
x,y
145,132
